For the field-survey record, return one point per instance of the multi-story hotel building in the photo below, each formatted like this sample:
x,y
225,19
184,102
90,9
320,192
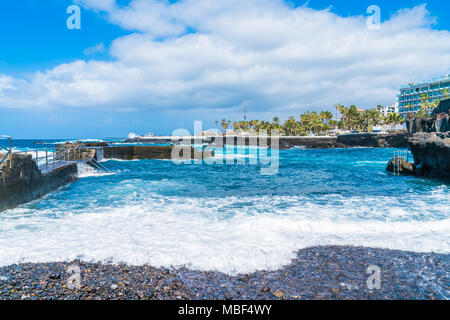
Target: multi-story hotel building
x,y
409,98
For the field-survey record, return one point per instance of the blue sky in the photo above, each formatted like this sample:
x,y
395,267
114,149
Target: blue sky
x,y
38,52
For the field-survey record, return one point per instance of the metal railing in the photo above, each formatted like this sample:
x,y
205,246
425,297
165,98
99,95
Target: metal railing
x,y
52,156
61,154
97,165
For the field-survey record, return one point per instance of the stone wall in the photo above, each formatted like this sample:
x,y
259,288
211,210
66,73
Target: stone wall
x,y
24,182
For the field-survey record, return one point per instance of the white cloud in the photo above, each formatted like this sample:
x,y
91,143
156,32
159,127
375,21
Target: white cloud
x,y
271,56
98,48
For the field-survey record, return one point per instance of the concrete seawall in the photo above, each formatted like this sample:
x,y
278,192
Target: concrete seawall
x,y
150,152
24,182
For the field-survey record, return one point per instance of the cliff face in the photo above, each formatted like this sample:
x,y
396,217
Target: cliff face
x,y
24,182
431,155
437,123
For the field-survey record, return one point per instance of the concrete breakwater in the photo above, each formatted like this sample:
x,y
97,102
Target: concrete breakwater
x,y
154,152
24,181
370,140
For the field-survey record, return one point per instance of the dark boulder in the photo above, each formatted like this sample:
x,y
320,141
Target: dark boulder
x,y
400,166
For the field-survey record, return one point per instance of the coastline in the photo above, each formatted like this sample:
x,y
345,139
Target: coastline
x,y
324,272
372,140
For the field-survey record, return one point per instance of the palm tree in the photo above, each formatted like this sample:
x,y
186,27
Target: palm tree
x,y
276,120
394,119
290,126
373,118
276,126
306,120
334,124
326,116
225,124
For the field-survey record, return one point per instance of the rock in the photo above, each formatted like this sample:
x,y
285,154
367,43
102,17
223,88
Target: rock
x,y
54,277
431,155
400,166
436,123
114,286
443,107
140,294
279,294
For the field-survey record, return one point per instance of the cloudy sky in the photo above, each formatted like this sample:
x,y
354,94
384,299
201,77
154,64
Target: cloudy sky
x,y
155,66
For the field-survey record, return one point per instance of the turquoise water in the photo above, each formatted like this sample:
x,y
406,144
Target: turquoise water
x,y
230,217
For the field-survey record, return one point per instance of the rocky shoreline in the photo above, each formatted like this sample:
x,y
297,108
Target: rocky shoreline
x,y
331,272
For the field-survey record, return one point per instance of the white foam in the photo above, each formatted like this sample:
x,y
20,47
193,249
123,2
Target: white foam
x,y
85,171
216,234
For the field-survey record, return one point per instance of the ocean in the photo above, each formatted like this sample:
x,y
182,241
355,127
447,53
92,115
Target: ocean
x,y
228,217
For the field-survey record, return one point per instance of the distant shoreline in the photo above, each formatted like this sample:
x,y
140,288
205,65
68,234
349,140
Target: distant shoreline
x,y
372,140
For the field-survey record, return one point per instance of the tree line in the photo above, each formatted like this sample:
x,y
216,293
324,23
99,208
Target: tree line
x,y
317,123
352,118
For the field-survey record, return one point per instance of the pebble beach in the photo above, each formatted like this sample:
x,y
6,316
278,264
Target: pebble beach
x,y
319,273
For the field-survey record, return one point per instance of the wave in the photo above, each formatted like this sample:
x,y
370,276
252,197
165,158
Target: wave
x,y
211,234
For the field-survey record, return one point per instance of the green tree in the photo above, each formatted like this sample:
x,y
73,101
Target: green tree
x,y
394,119
275,125
290,126
326,116
225,124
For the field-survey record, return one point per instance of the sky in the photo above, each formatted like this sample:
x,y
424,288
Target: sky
x,y
155,66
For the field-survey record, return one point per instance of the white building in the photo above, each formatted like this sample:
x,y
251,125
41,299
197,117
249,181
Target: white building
x,y
387,110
